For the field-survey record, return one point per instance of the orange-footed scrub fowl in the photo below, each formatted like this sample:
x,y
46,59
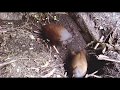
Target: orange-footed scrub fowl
x,y
79,64
56,33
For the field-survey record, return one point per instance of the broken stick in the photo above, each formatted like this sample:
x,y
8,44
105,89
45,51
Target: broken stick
x,y
93,75
106,58
55,49
5,63
101,40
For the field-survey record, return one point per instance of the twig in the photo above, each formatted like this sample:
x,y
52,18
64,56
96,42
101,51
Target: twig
x,y
65,74
61,13
108,35
96,76
93,75
106,58
90,44
43,66
101,40
50,51
55,49
103,51
49,74
5,63
109,76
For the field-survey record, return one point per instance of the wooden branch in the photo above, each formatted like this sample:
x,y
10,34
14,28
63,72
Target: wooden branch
x,y
5,63
106,58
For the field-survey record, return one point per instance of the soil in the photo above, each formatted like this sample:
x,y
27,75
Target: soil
x,y
34,57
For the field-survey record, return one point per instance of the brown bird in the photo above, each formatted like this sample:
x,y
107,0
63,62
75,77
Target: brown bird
x,y
56,33
79,64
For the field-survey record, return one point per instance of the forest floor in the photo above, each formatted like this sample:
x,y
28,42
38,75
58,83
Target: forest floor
x,y
24,53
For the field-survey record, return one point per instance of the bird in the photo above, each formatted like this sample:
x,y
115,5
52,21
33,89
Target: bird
x,y
56,33
79,64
